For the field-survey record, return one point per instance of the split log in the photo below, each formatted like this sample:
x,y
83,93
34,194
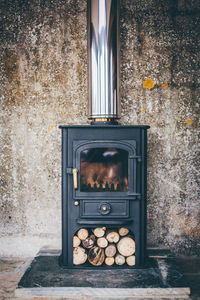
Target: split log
x,y
123,231
79,256
112,237
130,260
99,232
109,261
89,242
82,234
110,251
96,256
126,246
119,260
102,242
76,241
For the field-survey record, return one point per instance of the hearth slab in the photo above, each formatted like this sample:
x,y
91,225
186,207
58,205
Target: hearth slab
x,y
159,278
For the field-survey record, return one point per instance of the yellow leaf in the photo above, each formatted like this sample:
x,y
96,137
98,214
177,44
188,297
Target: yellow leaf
x,y
188,121
144,110
148,84
165,85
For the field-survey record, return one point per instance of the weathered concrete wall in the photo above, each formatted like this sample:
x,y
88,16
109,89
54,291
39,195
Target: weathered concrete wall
x,y
44,83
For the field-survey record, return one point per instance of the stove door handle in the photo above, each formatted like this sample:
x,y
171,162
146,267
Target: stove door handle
x,y
75,172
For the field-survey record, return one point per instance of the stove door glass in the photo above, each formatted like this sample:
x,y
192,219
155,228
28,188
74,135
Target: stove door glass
x,y
104,169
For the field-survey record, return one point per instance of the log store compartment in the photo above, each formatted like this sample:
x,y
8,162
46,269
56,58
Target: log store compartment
x,y
103,185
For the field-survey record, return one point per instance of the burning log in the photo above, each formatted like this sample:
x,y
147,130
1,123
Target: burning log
x,y
102,242
96,256
126,246
112,237
105,176
76,241
130,260
89,242
82,234
115,186
79,256
110,251
119,260
125,181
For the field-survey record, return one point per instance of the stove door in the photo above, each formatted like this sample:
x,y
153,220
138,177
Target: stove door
x,y
104,168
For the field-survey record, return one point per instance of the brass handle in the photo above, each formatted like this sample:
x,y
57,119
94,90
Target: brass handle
x,y
75,171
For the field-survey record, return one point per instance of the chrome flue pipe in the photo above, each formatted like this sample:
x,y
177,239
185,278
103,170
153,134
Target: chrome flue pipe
x,y
103,56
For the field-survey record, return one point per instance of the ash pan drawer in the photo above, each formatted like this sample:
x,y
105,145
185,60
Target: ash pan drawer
x,y
103,208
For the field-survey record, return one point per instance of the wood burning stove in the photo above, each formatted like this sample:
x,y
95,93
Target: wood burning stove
x,y
103,186
104,164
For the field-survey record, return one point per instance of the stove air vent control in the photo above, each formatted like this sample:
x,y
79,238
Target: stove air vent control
x,y
104,208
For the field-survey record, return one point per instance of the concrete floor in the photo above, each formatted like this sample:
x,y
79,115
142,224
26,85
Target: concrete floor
x,y
11,271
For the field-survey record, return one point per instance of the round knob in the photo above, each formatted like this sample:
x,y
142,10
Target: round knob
x,y
76,203
104,208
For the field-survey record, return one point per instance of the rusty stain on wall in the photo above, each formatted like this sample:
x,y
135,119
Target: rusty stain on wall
x,y
43,83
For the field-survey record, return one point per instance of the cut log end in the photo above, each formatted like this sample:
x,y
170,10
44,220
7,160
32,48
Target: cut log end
x,y
89,242
99,232
96,256
123,231
119,260
109,261
130,260
79,256
102,242
82,234
110,251
126,246
112,237
76,241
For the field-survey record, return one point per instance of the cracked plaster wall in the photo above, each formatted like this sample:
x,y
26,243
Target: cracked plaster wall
x,y
43,83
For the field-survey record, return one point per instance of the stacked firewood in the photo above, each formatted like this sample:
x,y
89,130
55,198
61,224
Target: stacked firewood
x,y
99,245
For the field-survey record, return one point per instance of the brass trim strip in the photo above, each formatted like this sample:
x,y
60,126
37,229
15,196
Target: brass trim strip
x,y
75,171
103,120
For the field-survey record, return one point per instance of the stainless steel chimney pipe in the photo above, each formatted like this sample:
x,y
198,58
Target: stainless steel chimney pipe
x,y
103,56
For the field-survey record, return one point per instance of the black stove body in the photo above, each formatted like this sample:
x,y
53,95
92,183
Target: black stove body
x,y
104,176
